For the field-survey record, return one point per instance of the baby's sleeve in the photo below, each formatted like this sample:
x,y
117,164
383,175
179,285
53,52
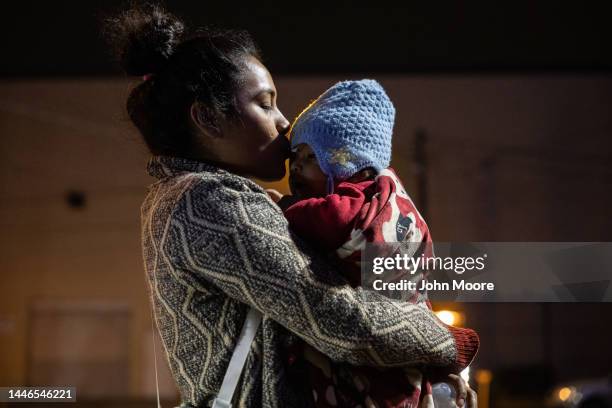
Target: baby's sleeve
x,y
326,223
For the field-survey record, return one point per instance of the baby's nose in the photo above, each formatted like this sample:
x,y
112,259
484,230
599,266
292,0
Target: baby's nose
x,y
295,165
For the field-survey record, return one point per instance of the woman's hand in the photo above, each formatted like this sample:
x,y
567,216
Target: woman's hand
x,y
466,397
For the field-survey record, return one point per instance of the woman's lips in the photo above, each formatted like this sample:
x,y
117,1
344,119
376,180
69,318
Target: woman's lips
x,y
284,145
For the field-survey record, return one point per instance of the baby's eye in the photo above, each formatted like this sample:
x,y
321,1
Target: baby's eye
x,y
311,156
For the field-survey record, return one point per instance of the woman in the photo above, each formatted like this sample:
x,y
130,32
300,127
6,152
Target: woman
x,y
214,243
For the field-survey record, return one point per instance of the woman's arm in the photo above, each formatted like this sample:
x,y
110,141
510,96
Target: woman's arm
x,y
240,242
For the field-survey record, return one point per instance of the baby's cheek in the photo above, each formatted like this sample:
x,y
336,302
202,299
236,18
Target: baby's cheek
x,y
317,181
312,172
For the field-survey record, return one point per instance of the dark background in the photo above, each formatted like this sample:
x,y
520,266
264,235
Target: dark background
x,y
51,38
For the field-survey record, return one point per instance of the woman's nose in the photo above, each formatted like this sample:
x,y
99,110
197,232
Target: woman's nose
x,y
282,124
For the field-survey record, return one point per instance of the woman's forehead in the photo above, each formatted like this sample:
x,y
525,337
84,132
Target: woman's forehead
x,y
257,78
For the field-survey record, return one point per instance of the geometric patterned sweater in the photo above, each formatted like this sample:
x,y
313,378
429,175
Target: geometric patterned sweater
x,y
214,244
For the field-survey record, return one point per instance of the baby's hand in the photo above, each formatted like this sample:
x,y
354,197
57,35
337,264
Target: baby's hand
x,y
274,194
287,201
283,201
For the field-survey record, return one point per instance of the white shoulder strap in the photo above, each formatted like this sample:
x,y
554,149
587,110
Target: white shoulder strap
x,y
153,331
232,375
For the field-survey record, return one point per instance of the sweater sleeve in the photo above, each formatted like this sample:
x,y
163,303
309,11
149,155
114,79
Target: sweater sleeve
x,y
240,242
326,222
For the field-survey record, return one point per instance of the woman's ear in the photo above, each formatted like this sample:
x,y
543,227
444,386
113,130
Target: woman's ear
x,y
203,121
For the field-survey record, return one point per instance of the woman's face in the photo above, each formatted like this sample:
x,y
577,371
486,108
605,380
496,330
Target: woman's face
x,y
254,143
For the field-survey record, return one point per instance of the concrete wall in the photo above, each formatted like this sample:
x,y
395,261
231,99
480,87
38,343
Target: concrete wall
x,y
509,158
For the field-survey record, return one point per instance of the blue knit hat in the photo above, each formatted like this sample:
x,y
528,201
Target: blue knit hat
x,y
349,128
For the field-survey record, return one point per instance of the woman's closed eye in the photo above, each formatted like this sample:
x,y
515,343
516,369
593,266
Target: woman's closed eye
x,y
265,101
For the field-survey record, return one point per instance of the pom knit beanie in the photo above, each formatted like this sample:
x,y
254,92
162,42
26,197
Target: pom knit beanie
x,y
349,128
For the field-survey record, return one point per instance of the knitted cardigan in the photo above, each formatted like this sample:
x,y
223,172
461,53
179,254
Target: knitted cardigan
x,y
215,244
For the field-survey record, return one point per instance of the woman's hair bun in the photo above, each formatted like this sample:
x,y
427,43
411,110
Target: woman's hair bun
x,y
143,38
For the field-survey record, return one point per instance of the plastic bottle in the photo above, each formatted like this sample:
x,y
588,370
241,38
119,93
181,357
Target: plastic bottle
x,y
443,395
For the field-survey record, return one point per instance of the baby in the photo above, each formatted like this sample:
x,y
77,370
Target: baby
x,y
345,195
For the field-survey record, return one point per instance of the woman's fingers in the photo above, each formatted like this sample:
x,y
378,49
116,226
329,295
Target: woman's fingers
x,y
461,388
472,399
466,397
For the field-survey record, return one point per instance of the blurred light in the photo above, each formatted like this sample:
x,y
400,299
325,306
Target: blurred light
x,y
565,393
483,379
465,374
450,317
484,376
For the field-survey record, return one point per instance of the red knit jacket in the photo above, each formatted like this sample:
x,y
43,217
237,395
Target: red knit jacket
x,y
373,211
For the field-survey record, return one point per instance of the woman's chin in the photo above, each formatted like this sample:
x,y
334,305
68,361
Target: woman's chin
x,y
272,174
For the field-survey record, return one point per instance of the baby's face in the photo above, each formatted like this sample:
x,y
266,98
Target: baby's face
x,y
306,179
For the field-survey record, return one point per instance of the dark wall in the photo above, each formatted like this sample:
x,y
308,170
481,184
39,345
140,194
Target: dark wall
x,y
62,37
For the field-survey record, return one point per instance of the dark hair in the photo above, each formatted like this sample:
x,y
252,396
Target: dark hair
x,y
178,70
